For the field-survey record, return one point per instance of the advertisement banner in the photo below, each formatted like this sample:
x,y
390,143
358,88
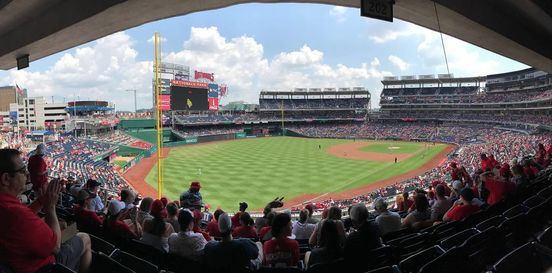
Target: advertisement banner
x,y
213,90
184,83
191,140
240,135
213,104
165,102
203,75
13,115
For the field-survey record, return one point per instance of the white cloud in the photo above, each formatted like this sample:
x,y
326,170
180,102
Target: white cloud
x,y
106,68
387,36
241,63
161,39
339,13
100,71
398,62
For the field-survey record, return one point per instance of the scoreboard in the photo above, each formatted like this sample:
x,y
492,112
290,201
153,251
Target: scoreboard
x,y
189,98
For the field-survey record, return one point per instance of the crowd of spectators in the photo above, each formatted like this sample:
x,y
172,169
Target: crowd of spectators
x,y
427,131
433,95
464,115
296,104
78,159
207,131
118,138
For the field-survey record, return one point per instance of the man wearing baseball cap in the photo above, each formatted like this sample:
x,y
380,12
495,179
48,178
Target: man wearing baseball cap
x,y
192,198
463,207
87,220
96,204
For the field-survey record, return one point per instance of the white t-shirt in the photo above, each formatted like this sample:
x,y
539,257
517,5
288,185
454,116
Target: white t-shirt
x,y
187,244
388,221
302,231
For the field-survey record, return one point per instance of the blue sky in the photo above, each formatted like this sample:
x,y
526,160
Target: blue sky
x,y
252,47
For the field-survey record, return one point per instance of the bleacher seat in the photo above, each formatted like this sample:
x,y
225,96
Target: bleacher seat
x,y
101,245
397,241
515,230
530,257
145,251
396,234
457,239
386,269
533,201
515,211
179,264
59,268
105,264
382,256
452,261
545,238
413,263
494,221
279,270
328,267
410,246
447,229
476,218
133,262
546,192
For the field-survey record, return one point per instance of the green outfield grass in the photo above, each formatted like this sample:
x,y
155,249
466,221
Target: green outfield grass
x,y
258,170
393,147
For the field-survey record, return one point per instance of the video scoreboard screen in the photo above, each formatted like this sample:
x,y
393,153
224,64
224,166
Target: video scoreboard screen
x,y
189,99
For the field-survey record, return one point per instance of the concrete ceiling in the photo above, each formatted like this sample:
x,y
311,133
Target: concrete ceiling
x,y
518,29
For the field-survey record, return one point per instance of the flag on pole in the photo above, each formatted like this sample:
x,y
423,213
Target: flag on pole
x,y
223,88
18,90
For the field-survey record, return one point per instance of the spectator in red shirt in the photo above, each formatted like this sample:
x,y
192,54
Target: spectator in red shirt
x,y
246,229
198,216
497,188
213,226
28,243
541,157
266,232
38,168
87,220
281,251
456,173
463,207
494,162
486,164
406,203
236,217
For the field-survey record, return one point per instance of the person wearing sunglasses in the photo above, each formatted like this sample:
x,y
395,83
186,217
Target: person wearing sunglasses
x,y
27,242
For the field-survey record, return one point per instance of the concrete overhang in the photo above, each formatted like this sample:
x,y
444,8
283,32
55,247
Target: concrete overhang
x,y
518,29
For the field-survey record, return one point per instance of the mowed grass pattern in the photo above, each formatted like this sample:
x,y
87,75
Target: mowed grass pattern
x,y
258,170
399,147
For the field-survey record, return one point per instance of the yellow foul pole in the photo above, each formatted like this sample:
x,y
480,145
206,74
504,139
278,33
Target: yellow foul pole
x,y
158,120
282,109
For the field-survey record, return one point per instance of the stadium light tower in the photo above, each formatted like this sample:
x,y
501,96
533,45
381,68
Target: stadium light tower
x,y
133,90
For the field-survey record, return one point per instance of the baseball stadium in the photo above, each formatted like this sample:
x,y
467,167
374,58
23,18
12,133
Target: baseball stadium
x,y
446,174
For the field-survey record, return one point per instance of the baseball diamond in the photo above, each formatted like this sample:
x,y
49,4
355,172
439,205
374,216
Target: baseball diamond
x,y
260,169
